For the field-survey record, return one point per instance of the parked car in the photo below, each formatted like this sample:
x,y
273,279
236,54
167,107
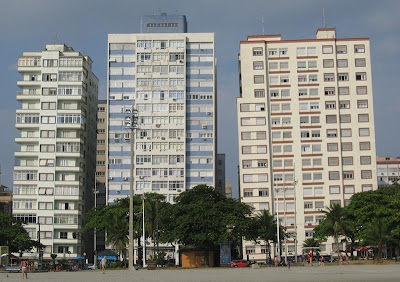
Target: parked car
x,y
239,263
91,266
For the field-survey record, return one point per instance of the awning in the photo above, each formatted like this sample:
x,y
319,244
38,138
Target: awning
x,y
78,258
107,257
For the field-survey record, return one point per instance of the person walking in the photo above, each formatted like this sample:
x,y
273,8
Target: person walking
x,y
103,264
276,261
24,269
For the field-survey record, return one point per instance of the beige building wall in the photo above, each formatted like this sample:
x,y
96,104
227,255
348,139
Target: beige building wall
x,y
388,170
306,129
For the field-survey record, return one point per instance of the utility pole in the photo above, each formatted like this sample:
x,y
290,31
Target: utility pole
x,y
95,191
131,123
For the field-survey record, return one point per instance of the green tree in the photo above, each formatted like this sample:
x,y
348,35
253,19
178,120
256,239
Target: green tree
x,y
312,243
366,207
14,235
202,217
376,233
114,220
263,227
334,224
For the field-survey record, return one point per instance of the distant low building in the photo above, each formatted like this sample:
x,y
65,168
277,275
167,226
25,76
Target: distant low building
x,y
388,170
5,199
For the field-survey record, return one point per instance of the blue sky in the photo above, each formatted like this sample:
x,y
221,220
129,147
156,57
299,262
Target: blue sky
x,y
27,25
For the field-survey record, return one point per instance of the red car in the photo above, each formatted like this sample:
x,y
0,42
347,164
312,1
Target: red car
x,y
239,263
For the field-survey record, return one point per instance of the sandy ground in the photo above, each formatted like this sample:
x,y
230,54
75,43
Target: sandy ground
x,y
342,273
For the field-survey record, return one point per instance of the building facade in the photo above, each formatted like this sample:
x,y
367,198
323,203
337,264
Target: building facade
x,y
168,77
55,166
220,183
388,170
306,129
101,168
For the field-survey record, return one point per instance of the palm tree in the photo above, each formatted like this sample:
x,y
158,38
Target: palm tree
x,y
118,232
334,223
376,233
266,228
312,243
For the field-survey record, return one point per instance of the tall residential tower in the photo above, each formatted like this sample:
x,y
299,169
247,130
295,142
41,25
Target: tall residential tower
x,y
168,76
306,129
55,166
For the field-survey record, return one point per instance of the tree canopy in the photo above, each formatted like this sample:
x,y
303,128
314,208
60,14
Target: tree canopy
x,y
202,218
13,235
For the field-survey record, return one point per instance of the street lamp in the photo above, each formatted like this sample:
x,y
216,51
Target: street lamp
x,y
95,191
144,235
131,123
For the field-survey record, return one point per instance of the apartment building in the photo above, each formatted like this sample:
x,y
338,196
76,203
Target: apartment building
x,y
306,130
55,165
388,170
101,168
168,76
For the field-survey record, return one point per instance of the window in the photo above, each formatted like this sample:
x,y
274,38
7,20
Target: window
x,y
333,161
345,132
359,48
48,105
365,160
360,62
248,193
327,49
329,77
331,119
332,147
361,76
342,63
361,90
257,51
347,160
347,146
334,175
348,189
343,76
49,77
259,65
272,52
363,118
330,105
283,51
301,64
259,93
344,104
363,132
348,174
343,90
331,133
328,63
258,79
341,49
329,91
345,118
362,104
300,51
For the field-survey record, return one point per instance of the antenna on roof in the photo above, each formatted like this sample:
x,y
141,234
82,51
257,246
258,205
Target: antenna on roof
x,y
323,17
262,23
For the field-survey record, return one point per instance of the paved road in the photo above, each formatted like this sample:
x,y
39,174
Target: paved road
x,y
342,273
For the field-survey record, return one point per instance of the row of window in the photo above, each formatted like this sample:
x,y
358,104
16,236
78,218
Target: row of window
x,y
36,62
308,65
308,78
311,92
155,185
308,51
286,149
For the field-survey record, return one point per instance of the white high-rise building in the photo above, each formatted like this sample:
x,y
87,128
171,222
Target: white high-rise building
x,y
55,166
169,77
306,130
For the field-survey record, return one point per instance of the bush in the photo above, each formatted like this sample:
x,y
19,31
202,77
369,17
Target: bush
x,y
116,264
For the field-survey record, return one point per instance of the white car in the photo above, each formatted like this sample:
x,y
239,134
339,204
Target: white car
x,y
91,266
